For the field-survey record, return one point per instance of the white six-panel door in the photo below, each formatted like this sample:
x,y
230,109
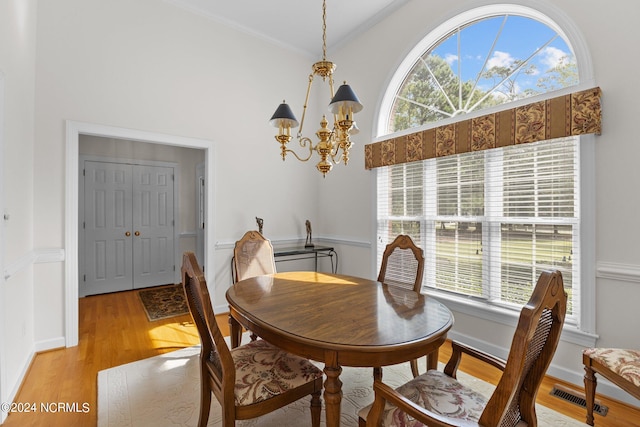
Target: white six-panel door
x,y
153,223
128,227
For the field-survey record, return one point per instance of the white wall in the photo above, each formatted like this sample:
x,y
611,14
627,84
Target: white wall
x,y
371,59
151,66
17,67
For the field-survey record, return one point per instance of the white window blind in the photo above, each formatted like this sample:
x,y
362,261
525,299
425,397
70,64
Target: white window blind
x,y
489,222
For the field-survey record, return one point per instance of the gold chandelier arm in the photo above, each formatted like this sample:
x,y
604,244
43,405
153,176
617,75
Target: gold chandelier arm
x,y
335,116
303,143
344,145
304,108
335,158
334,155
343,158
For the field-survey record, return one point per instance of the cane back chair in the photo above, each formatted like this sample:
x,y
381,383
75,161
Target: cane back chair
x,y
403,266
437,399
252,256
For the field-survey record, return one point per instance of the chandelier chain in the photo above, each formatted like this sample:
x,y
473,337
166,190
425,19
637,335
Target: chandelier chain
x,y
324,30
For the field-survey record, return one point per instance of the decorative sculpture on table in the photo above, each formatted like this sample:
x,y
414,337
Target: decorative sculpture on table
x,y
260,222
308,243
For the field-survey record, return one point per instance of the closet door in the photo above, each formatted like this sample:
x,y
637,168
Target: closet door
x,y
128,227
153,226
108,222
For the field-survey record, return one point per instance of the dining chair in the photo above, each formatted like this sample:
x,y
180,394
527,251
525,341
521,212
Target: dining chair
x,y
618,365
250,380
437,398
252,256
403,266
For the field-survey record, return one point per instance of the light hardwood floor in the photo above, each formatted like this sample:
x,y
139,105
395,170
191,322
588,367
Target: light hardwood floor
x,y
114,330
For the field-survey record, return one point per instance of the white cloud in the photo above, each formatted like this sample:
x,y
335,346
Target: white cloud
x,y
450,58
551,56
500,59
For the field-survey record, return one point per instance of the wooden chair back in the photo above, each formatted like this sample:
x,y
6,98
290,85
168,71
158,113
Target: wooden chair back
x,y
253,256
217,368
534,343
402,264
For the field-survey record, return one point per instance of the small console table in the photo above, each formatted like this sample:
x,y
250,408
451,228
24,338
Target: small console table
x,y
300,252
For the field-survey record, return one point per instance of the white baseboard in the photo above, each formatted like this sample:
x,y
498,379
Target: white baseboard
x,y
14,388
221,309
38,347
50,344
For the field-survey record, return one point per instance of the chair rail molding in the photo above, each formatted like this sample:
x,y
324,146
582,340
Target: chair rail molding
x,y
618,271
35,256
300,240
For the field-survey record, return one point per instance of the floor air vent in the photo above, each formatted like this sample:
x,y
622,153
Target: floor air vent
x,y
577,398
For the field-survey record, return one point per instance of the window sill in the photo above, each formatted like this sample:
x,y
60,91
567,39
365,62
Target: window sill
x,y
570,333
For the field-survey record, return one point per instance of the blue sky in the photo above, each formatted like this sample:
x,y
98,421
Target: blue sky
x,y
519,38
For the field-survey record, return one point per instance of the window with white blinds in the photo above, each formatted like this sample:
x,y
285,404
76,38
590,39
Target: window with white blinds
x,y
490,221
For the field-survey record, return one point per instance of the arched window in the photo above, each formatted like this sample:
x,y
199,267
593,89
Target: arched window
x,y
489,220
479,59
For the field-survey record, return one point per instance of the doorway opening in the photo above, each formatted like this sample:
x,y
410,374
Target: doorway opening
x,y
73,132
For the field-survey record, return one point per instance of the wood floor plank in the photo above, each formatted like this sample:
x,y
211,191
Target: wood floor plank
x,y
114,330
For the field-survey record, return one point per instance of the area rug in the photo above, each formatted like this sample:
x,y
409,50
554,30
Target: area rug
x,y
163,302
164,391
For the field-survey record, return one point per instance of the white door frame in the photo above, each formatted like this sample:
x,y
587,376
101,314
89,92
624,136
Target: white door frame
x,y
200,209
4,392
73,131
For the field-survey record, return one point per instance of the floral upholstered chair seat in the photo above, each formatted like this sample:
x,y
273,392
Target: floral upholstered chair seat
x,y
618,365
437,392
623,362
264,371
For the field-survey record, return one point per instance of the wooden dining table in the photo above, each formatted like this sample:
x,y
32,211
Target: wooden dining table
x,y
340,321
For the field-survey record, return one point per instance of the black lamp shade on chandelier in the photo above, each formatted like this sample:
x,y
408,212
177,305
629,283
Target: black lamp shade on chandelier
x,y
284,116
346,99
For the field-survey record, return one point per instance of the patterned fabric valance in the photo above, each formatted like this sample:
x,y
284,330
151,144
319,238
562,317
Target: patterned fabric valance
x,y
574,114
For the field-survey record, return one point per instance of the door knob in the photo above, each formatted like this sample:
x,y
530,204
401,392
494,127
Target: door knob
x,y
128,233
137,233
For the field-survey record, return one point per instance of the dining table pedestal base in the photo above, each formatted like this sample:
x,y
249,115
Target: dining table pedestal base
x,y
332,390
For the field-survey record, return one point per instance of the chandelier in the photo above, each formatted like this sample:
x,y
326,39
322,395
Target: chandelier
x,y
344,104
